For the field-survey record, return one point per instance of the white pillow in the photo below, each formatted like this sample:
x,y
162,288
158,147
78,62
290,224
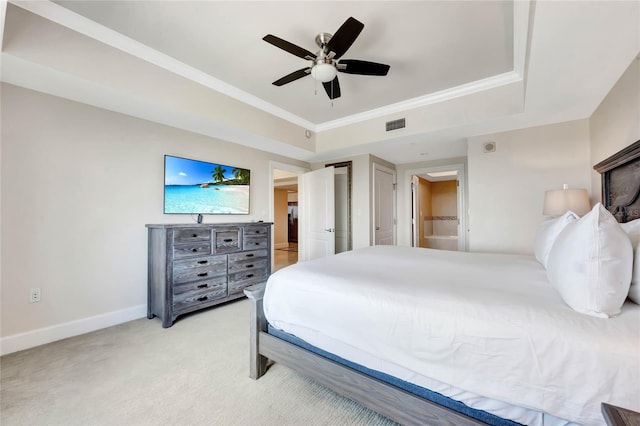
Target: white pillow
x,y
590,264
633,231
547,233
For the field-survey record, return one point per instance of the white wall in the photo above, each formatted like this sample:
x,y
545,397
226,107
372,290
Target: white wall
x,y
78,186
506,187
616,122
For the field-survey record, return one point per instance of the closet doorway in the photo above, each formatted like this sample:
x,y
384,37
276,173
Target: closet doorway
x,y
437,198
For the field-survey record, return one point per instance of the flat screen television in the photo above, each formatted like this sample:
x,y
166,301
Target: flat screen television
x,y
199,187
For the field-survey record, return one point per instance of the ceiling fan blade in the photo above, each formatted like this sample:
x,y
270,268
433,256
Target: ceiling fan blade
x,y
332,88
289,47
293,76
345,36
355,66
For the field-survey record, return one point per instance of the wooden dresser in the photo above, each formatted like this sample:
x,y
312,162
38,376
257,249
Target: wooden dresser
x,y
193,266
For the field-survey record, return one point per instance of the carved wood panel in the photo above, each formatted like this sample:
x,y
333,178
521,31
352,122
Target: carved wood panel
x,y
621,183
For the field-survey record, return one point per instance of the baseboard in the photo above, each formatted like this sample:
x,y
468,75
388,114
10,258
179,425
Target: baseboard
x,y
41,336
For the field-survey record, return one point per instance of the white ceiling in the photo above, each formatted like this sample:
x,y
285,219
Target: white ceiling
x,y
566,55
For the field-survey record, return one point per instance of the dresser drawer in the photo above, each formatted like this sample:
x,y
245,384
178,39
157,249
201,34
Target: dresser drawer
x,y
189,300
255,230
212,284
227,241
217,262
247,265
200,273
247,255
255,242
190,250
240,280
191,235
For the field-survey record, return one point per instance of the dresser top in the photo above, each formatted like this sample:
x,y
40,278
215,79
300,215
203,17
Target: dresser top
x,y
204,225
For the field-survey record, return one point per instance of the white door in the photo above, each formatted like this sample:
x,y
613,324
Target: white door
x,y
384,205
415,211
316,205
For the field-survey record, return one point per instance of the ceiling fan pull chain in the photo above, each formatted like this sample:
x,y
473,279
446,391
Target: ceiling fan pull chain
x,y
332,94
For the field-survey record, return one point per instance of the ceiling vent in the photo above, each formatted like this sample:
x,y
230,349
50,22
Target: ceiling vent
x,y
395,124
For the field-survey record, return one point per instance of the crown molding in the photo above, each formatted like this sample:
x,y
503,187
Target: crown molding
x,y
432,98
65,17
521,12
98,32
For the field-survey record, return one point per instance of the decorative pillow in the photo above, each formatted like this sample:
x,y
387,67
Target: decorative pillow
x,y
548,232
633,231
590,264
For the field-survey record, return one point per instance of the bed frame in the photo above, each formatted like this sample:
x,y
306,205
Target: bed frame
x,y
621,183
621,190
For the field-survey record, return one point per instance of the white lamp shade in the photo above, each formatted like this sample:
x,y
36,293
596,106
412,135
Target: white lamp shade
x,y
324,72
559,201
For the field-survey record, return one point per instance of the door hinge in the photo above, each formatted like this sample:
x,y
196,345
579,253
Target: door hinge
x,y
394,186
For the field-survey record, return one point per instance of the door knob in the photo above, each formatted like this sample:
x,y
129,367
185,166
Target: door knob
x,y
330,229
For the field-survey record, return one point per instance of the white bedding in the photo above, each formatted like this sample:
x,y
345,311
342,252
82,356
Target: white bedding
x,y
467,325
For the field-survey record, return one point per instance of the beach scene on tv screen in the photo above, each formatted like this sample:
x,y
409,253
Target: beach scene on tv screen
x,y
192,186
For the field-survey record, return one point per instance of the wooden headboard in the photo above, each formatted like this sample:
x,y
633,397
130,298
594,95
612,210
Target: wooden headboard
x,y
621,183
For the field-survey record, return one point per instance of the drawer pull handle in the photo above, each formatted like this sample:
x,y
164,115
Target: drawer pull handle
x,y
203,262
249,275
203,286
194,250
257,244
194,235
249,265
203,274
228,240
203,298
250,255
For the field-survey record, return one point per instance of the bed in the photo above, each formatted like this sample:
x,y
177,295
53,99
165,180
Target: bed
x,y
411,334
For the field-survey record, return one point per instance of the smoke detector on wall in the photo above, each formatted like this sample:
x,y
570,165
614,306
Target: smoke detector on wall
x,y
489,147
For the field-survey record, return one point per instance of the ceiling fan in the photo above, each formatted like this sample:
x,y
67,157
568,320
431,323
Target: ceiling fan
x,y
326,62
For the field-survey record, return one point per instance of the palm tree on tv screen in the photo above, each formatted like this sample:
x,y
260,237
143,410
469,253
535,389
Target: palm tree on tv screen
x,y
218,173
241,175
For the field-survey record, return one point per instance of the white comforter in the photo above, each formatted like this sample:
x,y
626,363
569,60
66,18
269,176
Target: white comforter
x,y
487,324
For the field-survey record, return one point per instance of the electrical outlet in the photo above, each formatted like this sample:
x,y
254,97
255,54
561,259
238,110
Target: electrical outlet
x,y
34,295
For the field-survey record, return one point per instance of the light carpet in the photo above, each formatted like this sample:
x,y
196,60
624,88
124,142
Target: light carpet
x,y
137,373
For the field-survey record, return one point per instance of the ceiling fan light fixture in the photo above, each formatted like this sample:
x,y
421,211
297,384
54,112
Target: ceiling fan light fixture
x,y
324,72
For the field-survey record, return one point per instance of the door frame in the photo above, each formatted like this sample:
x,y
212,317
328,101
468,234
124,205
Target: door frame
x,y
463,232
377,166
276,165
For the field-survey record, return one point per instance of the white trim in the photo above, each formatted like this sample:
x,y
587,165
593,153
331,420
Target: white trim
x,y
3,16
82,25
521,11
421,101
462,197
92,29
41,336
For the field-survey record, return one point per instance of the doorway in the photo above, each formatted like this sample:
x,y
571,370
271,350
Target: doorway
x,y
437,213
342,206
285,214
